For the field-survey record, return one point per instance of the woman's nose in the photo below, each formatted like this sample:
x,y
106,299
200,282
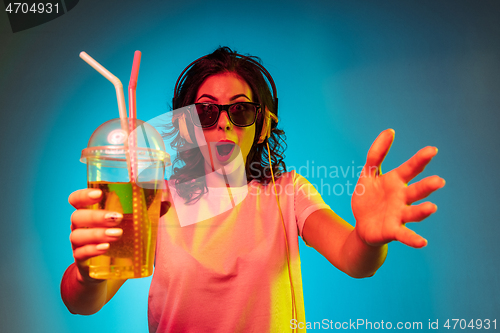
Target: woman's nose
x,y
224,122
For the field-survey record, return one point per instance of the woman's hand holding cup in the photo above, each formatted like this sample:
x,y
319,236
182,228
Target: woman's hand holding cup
x,y
92,231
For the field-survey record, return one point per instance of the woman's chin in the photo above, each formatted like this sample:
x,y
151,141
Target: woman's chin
x,y
230,165
232,168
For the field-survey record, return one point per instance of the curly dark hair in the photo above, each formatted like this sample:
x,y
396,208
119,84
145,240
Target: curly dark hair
x,y
188,170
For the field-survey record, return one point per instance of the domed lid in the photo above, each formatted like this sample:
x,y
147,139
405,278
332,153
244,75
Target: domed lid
x,y
108,144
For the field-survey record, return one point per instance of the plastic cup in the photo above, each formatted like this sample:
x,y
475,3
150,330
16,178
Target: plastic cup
x,y
138,199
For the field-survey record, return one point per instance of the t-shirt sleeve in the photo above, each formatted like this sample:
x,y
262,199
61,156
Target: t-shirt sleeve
x,y
307,201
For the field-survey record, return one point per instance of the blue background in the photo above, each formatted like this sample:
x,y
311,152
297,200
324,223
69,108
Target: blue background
x,y
345,70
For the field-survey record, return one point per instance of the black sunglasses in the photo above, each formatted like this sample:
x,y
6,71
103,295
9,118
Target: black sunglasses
x,y
241,114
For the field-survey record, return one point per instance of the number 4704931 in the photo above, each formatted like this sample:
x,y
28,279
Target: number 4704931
x,y
473,324
35,8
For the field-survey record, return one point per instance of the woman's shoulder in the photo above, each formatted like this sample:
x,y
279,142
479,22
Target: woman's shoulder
x,y
292,176
288,176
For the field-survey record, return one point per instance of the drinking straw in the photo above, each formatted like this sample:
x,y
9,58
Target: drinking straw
x,y
118,87
132,105
133,112
139,201
133,85
119,96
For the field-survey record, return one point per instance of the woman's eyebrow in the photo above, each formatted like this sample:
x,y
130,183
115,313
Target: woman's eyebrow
x,y
208,96
215,98
238,96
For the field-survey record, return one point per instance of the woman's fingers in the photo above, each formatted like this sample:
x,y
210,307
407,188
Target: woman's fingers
x,y
92,230
410,237
378,151
83,198
423,188
86,252
82,237
416,164
88,218
417,213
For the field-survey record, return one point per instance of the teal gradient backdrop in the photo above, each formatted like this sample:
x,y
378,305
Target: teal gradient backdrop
x,y
345,71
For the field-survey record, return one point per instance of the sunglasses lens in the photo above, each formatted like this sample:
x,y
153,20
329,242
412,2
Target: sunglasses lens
x,y
243,114
207,114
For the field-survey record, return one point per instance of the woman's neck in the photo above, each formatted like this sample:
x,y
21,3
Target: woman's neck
x,y
221,177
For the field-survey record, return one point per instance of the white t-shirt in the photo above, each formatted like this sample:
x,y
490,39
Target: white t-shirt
x,y
224,269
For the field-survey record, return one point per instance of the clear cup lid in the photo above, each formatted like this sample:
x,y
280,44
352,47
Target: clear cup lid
x,y
110,144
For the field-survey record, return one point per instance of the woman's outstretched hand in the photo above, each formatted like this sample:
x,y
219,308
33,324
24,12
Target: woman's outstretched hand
x,y
92,231
382,203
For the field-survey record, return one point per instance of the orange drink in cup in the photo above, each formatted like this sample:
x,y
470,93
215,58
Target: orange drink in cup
x,y
138,199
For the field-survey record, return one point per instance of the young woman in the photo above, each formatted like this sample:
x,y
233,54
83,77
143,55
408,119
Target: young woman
x,y
227,256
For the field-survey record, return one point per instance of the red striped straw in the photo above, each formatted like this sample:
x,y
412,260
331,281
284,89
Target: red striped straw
x,y
133,113
137,195
133,85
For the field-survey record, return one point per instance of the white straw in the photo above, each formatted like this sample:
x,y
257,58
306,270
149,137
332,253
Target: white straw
x,y
118,87
119,96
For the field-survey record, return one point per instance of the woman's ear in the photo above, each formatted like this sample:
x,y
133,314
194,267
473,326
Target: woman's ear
x,y
183,128
266,126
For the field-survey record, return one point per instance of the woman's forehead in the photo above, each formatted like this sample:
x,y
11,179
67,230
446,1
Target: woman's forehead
x,y
224,86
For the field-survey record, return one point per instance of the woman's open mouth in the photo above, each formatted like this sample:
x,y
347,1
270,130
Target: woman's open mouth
x,y
224,150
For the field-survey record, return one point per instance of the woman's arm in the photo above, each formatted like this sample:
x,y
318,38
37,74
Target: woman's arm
x,y
84,296
340,244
